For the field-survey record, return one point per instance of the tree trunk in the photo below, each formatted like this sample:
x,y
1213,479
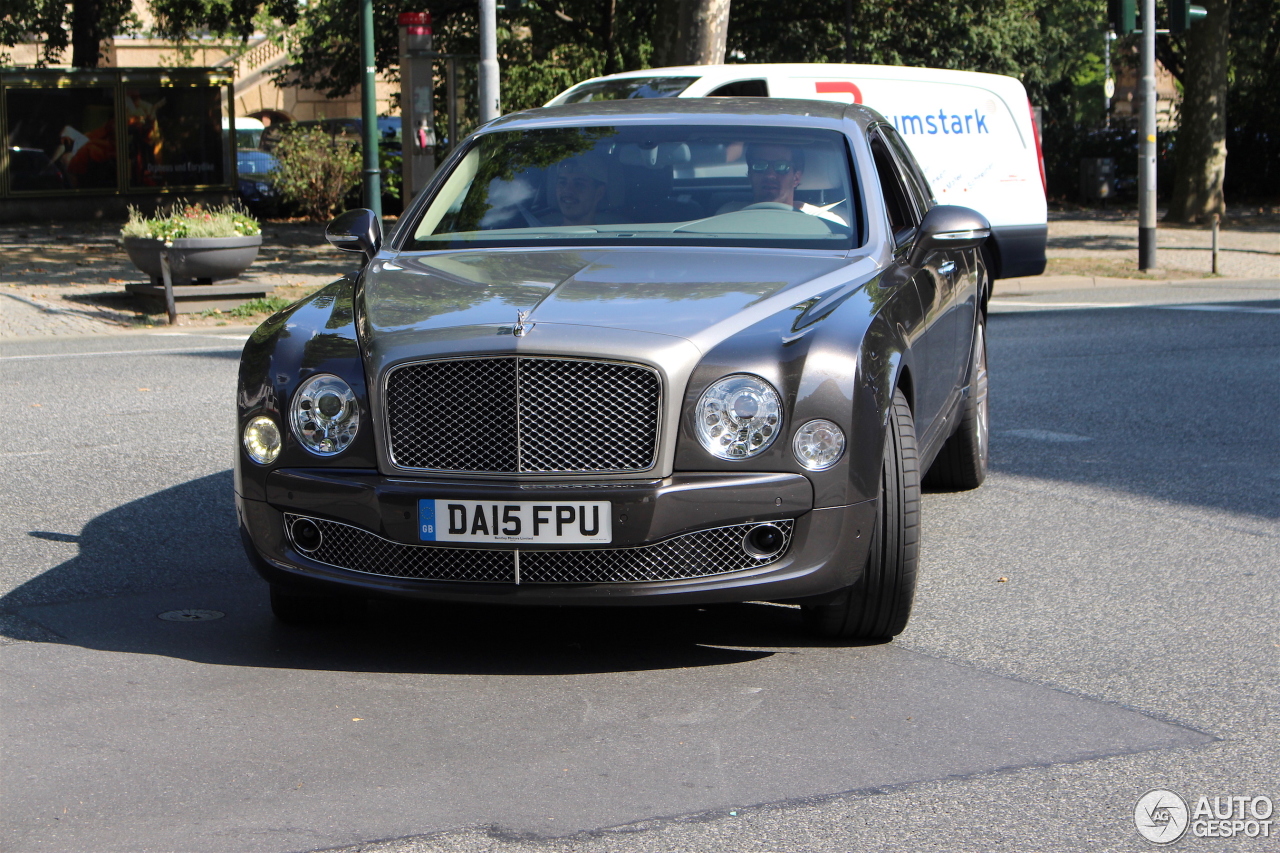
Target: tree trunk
x,y
1201,153
610,23
691,32
666,29
86,33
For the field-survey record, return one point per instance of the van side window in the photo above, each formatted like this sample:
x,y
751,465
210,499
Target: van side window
x,y
910,169
902,210
742,89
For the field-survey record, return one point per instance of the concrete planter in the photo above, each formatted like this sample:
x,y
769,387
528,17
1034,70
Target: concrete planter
x,y
199,259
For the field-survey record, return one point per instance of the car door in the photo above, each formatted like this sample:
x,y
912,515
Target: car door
x,y
933,341
959,269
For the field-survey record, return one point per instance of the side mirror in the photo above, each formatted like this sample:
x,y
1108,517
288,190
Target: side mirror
x,y
356,231
949,226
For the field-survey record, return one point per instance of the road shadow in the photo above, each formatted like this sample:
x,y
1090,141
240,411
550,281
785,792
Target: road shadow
x,y
1177,405
178,549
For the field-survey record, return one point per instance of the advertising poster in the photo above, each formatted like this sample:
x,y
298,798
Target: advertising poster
x,y
61,139
174,136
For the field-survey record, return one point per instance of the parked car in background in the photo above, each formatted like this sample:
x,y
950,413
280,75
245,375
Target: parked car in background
x,y
254,187
973,134
627,353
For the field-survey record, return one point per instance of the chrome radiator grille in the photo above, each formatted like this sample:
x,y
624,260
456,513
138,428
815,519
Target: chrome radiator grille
x,y
691,555
520,414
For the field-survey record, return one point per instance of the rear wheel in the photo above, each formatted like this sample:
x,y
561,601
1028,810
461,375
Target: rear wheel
x,y
300,608
962,462
878,606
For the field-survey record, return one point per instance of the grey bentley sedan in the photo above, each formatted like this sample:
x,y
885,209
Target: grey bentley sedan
x,y
636,352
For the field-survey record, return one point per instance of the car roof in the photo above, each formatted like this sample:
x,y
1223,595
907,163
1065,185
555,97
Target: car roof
x,y
807,69
756,111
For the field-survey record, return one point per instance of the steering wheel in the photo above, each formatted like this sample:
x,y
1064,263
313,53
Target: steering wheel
x,y
769,205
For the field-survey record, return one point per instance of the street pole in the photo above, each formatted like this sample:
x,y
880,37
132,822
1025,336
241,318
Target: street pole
x,y
369,113
1109,84
417,103
1147,142
490,97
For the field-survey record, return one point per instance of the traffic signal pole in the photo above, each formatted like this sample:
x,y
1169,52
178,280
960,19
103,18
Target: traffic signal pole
x,y
369,112
490,97
1147,142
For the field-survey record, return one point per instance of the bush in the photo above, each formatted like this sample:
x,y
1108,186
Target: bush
x,y
316,170
191,220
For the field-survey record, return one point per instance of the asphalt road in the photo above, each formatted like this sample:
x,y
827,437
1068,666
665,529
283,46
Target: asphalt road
x,y
1098,620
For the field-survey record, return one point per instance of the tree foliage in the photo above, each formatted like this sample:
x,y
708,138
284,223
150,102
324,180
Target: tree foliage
x,y
316,170
81,25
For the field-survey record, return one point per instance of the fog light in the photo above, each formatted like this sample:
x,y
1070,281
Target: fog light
x,y
306,534
764,541
818,444
262,440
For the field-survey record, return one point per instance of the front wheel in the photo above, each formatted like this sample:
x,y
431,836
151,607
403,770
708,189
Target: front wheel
x,y
962,462
878,606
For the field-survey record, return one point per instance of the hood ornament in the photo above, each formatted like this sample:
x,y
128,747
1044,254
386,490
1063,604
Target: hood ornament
x,y
523,326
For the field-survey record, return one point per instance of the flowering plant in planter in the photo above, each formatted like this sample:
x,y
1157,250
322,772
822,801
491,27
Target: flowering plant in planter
x,y
202,244
191,220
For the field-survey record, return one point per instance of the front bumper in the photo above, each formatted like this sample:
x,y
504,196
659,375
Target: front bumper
x,y
663,521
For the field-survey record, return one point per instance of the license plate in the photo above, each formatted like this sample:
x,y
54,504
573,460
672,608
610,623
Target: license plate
x,y
509,522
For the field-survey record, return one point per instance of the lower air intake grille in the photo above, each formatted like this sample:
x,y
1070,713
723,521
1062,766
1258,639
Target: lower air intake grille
x,y
692,555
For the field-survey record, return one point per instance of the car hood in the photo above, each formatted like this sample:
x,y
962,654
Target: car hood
x,y
675,292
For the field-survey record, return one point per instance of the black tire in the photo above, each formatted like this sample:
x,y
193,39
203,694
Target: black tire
x,y
962,462
299,608
878,605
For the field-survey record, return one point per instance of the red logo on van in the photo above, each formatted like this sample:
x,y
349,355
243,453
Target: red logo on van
x,y
830,87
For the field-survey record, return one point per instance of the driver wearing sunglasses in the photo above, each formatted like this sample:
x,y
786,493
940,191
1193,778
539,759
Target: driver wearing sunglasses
x,y
775,171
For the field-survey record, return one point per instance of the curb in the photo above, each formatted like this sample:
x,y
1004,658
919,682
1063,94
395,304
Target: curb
x,y
1050,283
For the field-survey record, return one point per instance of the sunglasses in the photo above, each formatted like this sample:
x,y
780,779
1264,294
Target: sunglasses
x,y
780,167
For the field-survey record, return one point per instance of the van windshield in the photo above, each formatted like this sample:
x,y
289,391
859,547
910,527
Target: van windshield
x,y
646,185
621,90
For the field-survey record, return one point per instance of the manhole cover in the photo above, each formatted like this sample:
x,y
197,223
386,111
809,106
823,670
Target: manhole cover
x,y
191,615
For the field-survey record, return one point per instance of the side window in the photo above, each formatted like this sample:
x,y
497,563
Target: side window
x,y
901,209
742,89
910,168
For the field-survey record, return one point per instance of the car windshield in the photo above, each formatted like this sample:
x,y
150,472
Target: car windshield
x,y
621,90
766,187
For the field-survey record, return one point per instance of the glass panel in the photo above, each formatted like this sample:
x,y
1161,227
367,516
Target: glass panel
x,y
61,139
634,87
174,136
645,185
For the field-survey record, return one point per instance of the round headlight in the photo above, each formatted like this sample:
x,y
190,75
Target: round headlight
x,y
738,417
818,444
325,415
262,440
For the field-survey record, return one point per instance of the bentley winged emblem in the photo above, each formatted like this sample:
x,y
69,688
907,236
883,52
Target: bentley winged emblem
x,y
523,326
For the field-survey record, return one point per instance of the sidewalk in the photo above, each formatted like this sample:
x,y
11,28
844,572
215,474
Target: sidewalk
x,y
1090,249
68,279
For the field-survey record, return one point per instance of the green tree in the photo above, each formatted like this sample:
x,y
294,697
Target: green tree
x,y
1253,100
81,25
1202,66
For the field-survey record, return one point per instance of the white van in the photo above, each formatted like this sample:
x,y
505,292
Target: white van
x,y
973,134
